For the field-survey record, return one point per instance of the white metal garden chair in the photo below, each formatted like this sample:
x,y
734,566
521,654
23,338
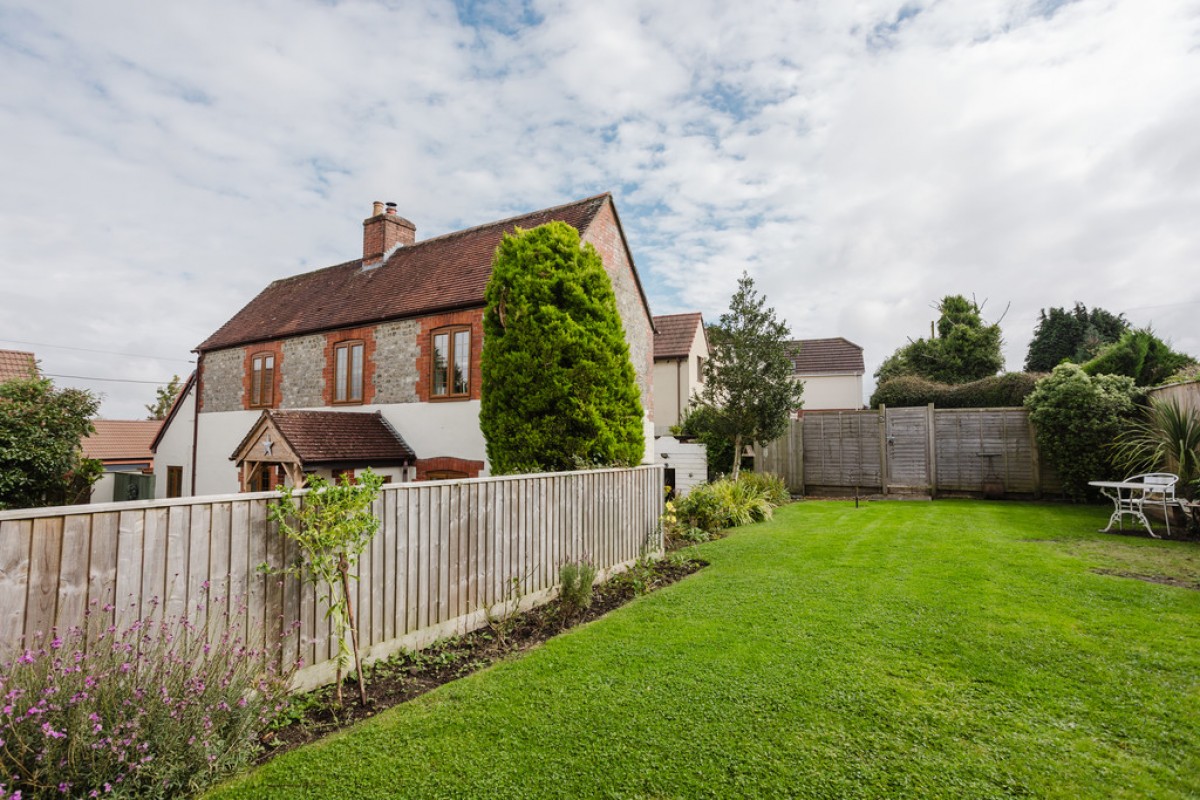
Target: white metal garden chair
x,y
1158,490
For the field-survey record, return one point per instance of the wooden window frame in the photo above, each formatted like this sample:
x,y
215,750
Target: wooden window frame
x,y
348,346
450,332
262,380
174,481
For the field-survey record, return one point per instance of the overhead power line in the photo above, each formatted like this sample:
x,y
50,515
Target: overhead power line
x,y
90,350
110,380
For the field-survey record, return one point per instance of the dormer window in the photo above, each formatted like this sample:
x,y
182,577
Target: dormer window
x,y
348,372
262,380
452,363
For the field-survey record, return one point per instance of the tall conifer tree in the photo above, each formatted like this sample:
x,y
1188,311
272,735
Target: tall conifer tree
x,y
558,388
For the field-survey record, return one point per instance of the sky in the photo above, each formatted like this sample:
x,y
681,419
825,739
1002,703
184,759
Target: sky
x,y
860,159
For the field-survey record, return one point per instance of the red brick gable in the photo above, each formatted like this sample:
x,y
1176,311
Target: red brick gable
x,y
439,274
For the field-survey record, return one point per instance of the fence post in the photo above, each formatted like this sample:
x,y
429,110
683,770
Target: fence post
x,y
1035,458
930,451
883,450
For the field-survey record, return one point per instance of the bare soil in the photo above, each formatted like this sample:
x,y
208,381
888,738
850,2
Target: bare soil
x,y
410,674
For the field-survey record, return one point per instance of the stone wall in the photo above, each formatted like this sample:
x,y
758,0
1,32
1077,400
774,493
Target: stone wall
x,y
303,372
221,388
396,354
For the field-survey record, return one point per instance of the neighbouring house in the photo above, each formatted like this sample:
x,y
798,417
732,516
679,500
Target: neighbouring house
x,y
15,364
831,371
173,446
123,447
386,346
680,349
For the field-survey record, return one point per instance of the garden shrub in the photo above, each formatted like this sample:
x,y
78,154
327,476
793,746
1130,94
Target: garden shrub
x,y
724,503
1166,438
158,709
997,391
576,579
1077,417
769,485
1139,355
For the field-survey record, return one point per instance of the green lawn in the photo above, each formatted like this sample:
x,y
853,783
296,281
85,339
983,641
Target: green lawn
x,y
951,649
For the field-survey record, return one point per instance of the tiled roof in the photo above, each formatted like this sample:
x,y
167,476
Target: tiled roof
x,y
318,437
449,271
17,364
817,356
121,439
674,334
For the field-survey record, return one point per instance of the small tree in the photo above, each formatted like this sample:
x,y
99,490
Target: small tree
x,y
749,391
558,388
1077,417
41,460
966,349
164,399
332,523
1074,335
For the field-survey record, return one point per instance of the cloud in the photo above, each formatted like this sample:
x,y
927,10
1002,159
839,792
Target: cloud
x,y
165,163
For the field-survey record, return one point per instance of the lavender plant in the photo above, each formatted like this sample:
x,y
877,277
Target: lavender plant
x,y
160,708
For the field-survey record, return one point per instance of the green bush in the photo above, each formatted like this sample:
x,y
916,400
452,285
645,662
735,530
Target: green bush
x,y
575,586
724,503
998,391
1165,439
1077,417
770,486
1139,355
159,709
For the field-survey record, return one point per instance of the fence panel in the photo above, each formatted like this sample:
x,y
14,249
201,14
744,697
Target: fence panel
x,y
444,552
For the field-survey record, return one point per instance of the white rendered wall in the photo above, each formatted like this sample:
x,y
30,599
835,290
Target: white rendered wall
x,y
832,392
175,447
690,462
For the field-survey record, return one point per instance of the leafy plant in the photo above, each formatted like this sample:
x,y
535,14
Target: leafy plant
x,y
503,621
1139,355
157,709
727,503
1166,438
41,461
994,391
1071,335
332,523
1076,417
749,389
768,485
576,580
965,349
558,386
164,398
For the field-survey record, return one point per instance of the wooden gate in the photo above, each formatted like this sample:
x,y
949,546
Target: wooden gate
x,y
908,464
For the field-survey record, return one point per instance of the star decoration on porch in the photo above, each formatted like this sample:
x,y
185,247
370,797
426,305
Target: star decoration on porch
x,y
267,444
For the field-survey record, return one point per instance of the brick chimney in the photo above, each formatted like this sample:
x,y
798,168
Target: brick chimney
x,y
383,231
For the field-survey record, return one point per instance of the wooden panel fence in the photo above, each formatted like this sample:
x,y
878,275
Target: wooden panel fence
x,y
445,552
923,450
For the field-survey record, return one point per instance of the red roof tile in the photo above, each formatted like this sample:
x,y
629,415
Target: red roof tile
x,y
324,437
445,272
816,356
121,439
674,334
17,364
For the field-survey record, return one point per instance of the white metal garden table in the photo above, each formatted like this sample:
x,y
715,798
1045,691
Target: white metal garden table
x,y
1130,497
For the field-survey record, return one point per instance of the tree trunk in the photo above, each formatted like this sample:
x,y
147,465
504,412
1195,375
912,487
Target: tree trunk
x,y
344,567
737,456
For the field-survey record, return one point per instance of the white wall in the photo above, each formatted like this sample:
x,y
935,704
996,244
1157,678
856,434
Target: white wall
x,y
674,383
832,392
175,447
690,462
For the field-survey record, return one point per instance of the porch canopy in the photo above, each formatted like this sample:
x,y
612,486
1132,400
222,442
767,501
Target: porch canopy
x,y
301,441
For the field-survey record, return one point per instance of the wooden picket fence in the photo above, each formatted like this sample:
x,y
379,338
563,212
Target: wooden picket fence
x,y
445,553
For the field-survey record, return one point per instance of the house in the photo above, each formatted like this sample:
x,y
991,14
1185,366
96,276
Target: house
x,y
174,445
15,364
831,371
680,349
123,447
395,335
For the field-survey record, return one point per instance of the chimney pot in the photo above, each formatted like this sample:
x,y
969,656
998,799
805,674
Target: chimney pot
x,y
383,232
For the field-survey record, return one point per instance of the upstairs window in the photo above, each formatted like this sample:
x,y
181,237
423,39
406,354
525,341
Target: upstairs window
x,y
452,363
348,372
262,380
